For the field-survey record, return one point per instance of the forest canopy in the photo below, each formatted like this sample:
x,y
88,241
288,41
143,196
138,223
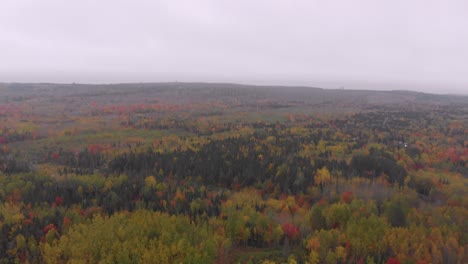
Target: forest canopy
x,y
219,173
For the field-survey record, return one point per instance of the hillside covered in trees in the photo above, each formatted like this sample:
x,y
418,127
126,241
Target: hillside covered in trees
x,y
227,173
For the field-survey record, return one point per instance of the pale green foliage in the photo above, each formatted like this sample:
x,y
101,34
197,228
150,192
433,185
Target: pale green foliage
x,y
367,235
337,214
140,237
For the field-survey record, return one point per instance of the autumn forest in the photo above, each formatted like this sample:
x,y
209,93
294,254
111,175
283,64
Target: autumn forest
x,y
226,173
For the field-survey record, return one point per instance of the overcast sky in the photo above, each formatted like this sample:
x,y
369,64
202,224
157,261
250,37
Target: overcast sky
x,y
417,45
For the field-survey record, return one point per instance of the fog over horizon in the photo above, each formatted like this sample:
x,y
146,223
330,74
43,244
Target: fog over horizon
x,y
419,45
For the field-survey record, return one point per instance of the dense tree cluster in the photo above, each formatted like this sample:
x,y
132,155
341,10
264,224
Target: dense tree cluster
x,y
210,182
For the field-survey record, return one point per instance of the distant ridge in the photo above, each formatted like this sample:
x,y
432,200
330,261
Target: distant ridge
x,y
206,90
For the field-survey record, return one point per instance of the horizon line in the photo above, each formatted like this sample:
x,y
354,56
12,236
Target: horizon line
x,y
343,88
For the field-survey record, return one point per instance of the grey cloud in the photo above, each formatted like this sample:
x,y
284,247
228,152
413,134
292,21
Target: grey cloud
x,y
411,44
